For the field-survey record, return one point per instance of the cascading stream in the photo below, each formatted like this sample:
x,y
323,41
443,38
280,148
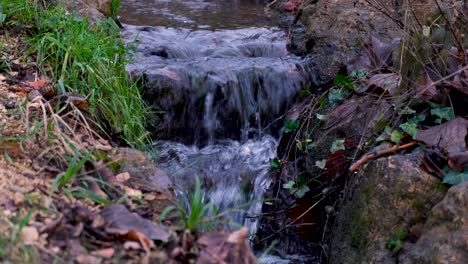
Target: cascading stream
x,y
218,74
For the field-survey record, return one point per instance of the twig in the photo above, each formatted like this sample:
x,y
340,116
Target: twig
x,y
272,3
367,157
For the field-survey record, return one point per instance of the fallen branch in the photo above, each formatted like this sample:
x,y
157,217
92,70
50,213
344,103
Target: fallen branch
x,y
367,157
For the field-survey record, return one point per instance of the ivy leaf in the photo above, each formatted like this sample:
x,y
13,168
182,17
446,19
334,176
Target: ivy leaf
x,y
275,164
290,125
337,145
443,113
417,119
301,191
410,128
320,117
343,81
289,185
455,177
396,137
407,111
336,95
304,93
358,74
321,164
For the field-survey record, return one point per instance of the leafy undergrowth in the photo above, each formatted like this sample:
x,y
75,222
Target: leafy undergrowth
x,y
67,195
394,97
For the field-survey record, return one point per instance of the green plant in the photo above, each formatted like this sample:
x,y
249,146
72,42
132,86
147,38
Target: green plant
x,y
115,6
395,243
2,15
275,164
89,60
12,249
74,166
197,212
299,188
290,125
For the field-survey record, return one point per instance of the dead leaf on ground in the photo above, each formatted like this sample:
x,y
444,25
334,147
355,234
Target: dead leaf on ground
x,y
225,247
104,253
385,83
376,55
36,85
120,222
450,138
12,149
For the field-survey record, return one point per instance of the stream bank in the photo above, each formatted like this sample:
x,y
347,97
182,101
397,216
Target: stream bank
x,y
346,172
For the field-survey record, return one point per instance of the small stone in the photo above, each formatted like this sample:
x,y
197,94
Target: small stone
x,y
29,235
123,177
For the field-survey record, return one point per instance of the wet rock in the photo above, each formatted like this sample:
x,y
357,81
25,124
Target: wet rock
x,y
386,195
337,29
221,84
445,235
144,174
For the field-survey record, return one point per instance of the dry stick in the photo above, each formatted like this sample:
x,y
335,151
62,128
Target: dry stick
x,y
367,157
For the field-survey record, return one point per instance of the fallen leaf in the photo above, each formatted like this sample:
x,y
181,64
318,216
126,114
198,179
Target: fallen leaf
x,y
129,245
376,55
37,85
292,5
104,253
426,87
120,221
86,259
386,83
132,192
225,247
136,236
12,149
450,139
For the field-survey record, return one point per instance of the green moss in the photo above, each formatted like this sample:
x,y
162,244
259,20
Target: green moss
x,y
440,187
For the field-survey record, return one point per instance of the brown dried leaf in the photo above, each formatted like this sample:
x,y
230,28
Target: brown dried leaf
x,y
450,139
120,221
225,247
37,85
104,253
136,236
425,87
376,55
12,149
386,83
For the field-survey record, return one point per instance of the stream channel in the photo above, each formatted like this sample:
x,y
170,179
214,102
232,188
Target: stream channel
x,y
218,74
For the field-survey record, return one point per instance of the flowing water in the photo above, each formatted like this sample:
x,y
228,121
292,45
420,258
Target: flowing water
x,y
218,74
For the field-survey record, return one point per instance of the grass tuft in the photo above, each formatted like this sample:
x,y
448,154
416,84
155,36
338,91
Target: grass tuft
x,y
85,59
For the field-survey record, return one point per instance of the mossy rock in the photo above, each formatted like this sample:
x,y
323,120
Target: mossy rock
x,y
386,195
